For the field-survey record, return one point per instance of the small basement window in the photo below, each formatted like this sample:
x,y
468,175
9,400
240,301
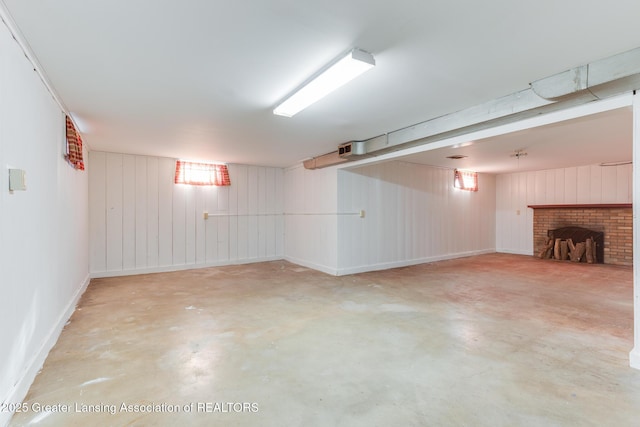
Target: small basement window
x,y
74,145
465,180
192,173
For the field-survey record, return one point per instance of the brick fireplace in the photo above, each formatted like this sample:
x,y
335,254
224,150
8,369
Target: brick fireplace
x,y
616,221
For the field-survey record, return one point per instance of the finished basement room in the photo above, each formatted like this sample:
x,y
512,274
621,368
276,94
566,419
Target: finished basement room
x,y
196,231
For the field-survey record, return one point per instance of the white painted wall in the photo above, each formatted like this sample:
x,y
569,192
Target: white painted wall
x,y
311,218
43,231
584,184
634,355
412,215
140,221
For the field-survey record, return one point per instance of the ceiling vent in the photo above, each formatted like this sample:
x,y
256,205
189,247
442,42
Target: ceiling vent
x,y
352,148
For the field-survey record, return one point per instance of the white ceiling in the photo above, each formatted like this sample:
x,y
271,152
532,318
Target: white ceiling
x,y
599,138
198,79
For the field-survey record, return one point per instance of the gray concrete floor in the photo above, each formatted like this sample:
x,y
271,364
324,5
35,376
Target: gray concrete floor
x,y
493,340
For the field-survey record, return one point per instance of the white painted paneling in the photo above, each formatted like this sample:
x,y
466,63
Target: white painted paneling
x,y
114,235
584,184
98,213
44,256
413,214
153,224
128,212
211,225
503,186
559,185
624,178
550,190
269,235
166,176
224,225
179,223
540,178
202,195
310,222
141,200
238,205
191,239
570,187
634,355
595,184
253,208
608,187
153,242
525,218
279,201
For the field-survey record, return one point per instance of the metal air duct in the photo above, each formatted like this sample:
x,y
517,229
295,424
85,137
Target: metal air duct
x,y
601,79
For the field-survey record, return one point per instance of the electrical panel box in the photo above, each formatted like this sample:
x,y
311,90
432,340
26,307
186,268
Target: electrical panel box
x,y
17,180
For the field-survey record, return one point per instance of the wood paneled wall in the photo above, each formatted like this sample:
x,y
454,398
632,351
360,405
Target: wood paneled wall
x,y
585,184
412,215
142,222
311,208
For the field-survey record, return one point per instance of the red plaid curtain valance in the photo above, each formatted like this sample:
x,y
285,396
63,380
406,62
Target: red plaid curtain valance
x,y
74,145
192,173
465,180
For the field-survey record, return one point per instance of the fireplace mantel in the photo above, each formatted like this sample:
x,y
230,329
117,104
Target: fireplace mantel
x,y
583,206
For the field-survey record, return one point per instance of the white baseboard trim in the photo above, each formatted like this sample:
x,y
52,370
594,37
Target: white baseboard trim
x,y
406,263
33,366
514,252
634,358
304,263
319,267
180,267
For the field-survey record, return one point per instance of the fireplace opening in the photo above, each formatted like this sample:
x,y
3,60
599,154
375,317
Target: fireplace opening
x,y
577,236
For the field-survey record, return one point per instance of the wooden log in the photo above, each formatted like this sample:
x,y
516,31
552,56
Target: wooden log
x,y
564,250
552,240
541,253
577,254
556,249
572,250
589,251
549,253
546,251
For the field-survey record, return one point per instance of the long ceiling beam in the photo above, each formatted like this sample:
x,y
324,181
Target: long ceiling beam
x,y
599,80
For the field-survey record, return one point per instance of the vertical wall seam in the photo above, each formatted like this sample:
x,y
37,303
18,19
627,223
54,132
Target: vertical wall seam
x,y
122,212
158,211
106,209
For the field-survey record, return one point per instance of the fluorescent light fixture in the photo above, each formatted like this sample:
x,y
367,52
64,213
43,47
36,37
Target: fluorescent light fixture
x,y
342,71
